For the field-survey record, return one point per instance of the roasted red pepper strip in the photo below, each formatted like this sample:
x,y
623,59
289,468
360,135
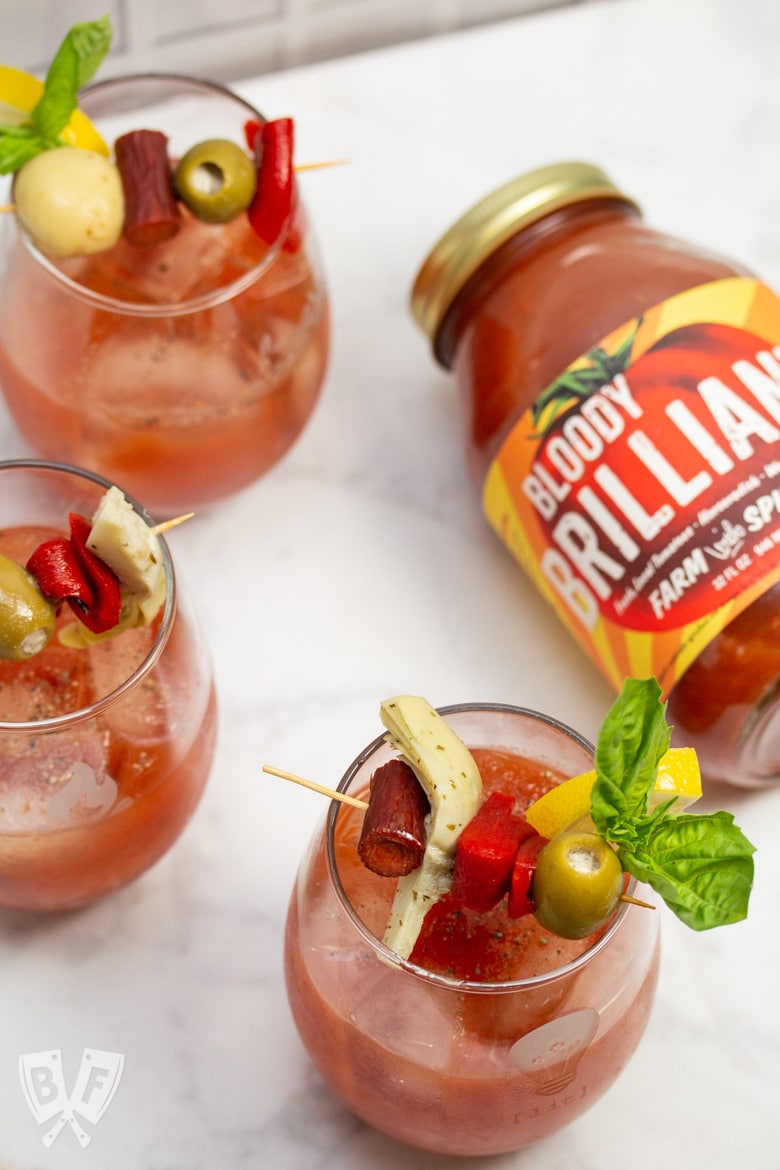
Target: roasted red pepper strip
x,y
252,129
486,852
520,900
392,840
104,612
272,203
59,574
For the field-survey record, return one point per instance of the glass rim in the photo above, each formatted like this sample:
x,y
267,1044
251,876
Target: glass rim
x,y
389,957
57,722
167,309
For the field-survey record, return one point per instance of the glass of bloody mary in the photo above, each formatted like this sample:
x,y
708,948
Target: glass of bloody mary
x,y
494,1033
183,369
105,748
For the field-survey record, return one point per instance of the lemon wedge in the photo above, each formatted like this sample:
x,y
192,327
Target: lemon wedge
x,y
22,91
562,805
678,777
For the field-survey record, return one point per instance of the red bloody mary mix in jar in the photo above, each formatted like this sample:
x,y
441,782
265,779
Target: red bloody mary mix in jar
x,y
620,395
472,1067
94,789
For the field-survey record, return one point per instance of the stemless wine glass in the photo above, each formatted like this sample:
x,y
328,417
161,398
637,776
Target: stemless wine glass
x,y
453,1065
104,750
183,371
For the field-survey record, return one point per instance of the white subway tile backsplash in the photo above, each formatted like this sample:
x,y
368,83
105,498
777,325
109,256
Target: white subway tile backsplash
x,y
227,39
187,19
32,29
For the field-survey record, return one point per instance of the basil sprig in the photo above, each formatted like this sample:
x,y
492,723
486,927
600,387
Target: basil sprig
x,y
700,864
75,63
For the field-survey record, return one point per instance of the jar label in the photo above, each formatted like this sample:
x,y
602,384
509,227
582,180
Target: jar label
x,y
640,492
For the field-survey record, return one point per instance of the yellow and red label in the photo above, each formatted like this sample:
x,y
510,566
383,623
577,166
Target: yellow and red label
x,y
641,492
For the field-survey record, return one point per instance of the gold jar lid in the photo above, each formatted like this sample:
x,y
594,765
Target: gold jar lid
x,y
494,220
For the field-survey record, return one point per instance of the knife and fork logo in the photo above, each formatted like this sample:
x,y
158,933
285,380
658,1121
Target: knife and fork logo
x,y
43,1083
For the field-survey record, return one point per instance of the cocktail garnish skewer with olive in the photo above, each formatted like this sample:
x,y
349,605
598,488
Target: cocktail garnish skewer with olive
x,y
567,859
110,571
73,200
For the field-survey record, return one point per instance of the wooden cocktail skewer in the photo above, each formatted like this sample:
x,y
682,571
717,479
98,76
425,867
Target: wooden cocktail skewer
x,y
636,902
166,524
304,783
312,166
355,801
320,166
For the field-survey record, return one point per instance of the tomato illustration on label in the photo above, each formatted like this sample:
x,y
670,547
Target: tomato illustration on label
x,y
642,483
641,490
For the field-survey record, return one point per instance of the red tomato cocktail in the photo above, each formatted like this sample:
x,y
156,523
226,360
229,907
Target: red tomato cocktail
x,y
182,371
495,1033
104,749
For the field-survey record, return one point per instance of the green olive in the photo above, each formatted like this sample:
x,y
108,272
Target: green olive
x,y
26,617
577,884
216,180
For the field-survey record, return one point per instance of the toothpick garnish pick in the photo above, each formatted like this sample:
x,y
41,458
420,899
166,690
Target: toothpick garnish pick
x,y
312,166
166,524
321,166
344,797
636,902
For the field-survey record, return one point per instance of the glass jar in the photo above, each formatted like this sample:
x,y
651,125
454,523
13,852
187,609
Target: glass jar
x,y
185,370
105,748
620,401
453,1062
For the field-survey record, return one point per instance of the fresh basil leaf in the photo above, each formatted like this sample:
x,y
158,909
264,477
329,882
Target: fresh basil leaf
x,y
91,41
53,111
17,149
632,740
74,64
701,865
17,130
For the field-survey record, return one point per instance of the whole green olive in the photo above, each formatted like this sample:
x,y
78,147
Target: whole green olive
x,y
216,180
577,884
27,618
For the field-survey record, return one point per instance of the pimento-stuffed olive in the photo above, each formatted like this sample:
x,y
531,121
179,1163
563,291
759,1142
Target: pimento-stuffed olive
x,y
216,180
577,884
27,619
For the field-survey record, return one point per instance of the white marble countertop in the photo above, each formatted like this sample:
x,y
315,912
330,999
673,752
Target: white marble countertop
x,y
370,527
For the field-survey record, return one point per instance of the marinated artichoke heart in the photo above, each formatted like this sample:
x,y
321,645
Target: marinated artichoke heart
x,y
450,777
125,542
